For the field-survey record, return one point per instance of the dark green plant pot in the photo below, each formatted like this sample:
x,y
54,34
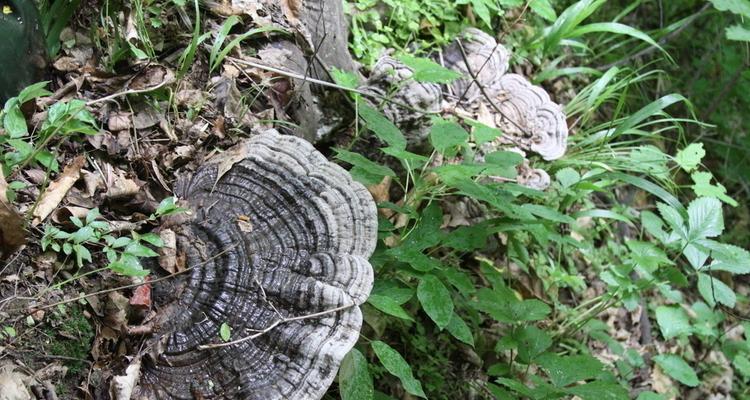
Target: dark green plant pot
x,y
22,52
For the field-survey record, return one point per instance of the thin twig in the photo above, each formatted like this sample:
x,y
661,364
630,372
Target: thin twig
x,y
274,325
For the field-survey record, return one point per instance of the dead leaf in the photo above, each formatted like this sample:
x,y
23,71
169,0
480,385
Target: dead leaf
x,y
243,221
116,311
121,387
57,190
118,185
119,121
12,232
12,386
168,252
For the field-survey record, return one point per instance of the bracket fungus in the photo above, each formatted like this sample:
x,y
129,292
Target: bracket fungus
x,y
487,59
277,245
530,117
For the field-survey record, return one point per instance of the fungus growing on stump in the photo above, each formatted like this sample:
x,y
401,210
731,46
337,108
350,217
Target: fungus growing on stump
x,y
277,246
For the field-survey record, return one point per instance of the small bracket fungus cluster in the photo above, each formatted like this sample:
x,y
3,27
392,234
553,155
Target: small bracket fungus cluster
x,y
529,120
277,247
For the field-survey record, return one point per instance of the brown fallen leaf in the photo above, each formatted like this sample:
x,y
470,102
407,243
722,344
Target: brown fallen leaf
x,y
12,232
57,190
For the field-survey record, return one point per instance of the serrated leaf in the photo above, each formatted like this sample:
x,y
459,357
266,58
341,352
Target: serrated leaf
x,y
388,306
729,258
673,218
702,186
532,342
225,332
458,328
447,136
690,157
715,291
673,321
738,33
435,299
483,133
395,364
374,171
426,70
564,370
384,129
676,367
355,382
740,7
705,218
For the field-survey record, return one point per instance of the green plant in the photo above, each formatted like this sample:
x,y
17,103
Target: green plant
x,y
20,147
123,253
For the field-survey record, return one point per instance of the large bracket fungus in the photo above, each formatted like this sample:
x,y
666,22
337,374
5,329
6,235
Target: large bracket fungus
x,y
277,246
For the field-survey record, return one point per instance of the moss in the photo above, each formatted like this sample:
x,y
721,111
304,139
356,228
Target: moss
x,y
71,338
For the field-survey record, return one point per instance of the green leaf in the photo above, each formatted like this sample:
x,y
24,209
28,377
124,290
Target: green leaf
x,y
384,129
426,70
395,364
10,331
446,136
738,33
715,291
458,328
128,265
673,321
652,160
563,371
355,382
15,123
676,367
532,342
650,396
690,157
674,219
480,8
225,332
740,7
483,133
647,255
703,188
705,218
650,110
544,9
221,35
599,390
435,299
82,234
374,172
388,306
138,250
152,239
505,307
729,258
548,213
